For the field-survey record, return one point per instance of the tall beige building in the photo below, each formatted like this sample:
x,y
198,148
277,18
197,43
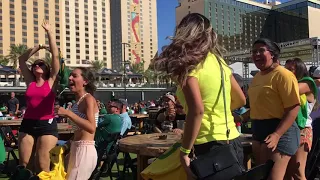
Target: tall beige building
x,y
20,23
85,30
134,35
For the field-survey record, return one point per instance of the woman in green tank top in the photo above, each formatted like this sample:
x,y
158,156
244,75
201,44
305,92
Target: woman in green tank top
x,y
308,95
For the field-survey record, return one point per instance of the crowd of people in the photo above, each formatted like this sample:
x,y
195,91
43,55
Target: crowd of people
x,y
282,99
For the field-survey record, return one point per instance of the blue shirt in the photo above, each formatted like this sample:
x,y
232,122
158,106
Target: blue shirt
x,y
126,122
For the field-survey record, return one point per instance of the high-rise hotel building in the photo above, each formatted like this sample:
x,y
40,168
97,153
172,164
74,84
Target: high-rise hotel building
x,y
85,30
20,23
239,23
134,34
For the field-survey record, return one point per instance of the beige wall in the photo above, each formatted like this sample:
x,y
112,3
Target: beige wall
x,y
92,42
314,26
33,14
187,6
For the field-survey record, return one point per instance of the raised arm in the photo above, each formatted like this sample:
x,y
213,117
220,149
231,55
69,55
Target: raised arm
x,y
27,74
55,64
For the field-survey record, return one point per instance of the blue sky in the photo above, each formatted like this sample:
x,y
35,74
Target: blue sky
x,y
166,12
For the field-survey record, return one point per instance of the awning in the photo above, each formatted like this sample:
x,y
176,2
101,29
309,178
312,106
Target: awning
x,y
4,70
108,72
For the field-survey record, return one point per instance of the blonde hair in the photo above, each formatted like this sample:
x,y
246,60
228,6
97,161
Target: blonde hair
x,y
194,39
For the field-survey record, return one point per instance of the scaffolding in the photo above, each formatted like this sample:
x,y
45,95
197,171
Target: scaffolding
x,y
305,49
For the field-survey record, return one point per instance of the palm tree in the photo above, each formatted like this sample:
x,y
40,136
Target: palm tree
x,y
137,67
148,75
4,60
48,59
97,65
15,52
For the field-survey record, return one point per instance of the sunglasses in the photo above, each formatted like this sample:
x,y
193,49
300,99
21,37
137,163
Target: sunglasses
x,y
260,50
40,64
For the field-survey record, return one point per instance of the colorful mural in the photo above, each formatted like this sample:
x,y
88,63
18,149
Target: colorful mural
x,y
135,31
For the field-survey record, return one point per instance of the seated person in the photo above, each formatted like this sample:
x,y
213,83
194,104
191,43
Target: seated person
x,y
166,117
112,118
126,120
3,108
111,123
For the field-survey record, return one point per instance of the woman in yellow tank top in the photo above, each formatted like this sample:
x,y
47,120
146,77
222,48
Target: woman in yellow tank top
x,y
192,60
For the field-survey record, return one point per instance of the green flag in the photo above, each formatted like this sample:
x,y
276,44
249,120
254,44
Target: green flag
x,y
64,73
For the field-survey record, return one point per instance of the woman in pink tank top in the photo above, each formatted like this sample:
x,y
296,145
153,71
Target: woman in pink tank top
x,y
38,127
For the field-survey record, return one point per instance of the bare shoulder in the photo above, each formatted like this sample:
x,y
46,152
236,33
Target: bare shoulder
x,y
89,99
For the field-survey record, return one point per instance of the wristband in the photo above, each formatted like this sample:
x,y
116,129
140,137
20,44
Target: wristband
x,y
186,151
40,46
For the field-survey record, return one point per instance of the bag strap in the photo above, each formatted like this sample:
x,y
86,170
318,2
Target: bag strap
x,y
224,100
224,104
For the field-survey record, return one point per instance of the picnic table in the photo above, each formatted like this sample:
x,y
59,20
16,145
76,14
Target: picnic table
x,y
140,118
149,145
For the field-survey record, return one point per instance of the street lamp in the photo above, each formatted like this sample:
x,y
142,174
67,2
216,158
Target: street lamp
x,y
124,68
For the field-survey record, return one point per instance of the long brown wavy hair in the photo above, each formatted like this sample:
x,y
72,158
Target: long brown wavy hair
x,y
194,39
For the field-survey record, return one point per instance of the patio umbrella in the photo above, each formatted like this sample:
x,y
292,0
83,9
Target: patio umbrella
x,y
6,70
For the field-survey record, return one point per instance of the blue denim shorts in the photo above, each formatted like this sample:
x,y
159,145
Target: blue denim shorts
x,y
288,143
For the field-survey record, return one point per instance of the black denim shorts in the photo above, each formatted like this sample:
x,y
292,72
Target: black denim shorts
x,y
37,128
206,147
288,143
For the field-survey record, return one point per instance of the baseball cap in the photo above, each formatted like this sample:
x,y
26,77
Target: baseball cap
x,y
171,97
314,72
115,103
124,102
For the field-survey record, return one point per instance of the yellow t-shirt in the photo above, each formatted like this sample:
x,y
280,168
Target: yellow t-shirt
x,y
213,126
271,93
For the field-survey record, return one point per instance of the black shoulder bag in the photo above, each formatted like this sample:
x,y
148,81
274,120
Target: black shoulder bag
x,y
221,163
